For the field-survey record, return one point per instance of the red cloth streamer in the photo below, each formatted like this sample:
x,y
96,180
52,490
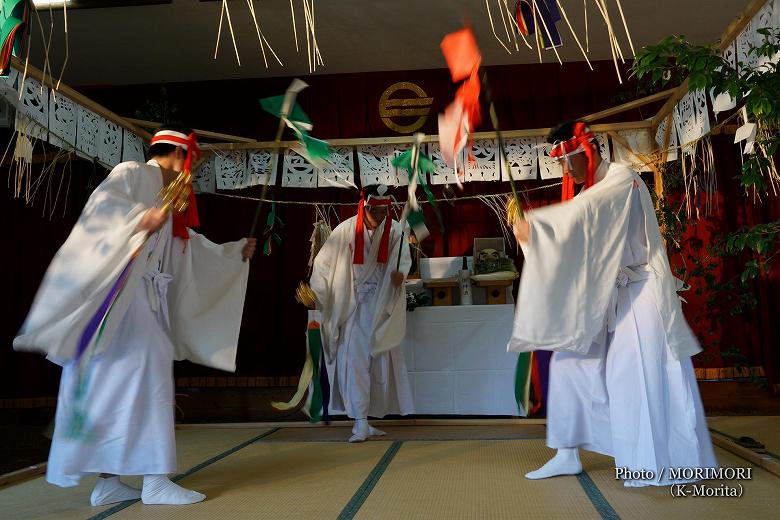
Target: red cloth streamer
x,y
463,59
189,218
384,247
468,94
523,10
581,137
7,49
461,53
567,190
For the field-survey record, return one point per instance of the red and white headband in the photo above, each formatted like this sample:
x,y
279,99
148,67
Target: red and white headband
x,y
171,137
579,142
573,146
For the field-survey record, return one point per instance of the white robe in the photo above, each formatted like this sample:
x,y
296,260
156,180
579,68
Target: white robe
x,y
206,296
571,261
364,322
180,302
628,394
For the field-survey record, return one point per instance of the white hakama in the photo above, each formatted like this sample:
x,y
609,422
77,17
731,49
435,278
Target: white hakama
x,y
365,385
181,300
629,397
129,401
364,322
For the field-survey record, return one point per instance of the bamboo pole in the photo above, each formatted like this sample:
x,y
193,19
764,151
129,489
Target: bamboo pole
x,y
667,108
202,133
533,132
659,184
81,99
642,157
628,106
743,19
727,38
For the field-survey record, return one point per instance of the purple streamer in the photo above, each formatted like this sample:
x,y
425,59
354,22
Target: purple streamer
x,y
543,365
325,385
100,314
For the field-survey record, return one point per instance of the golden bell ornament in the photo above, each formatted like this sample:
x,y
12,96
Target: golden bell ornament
x,y
305,295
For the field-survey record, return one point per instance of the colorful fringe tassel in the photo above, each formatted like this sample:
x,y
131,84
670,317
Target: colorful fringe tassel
x,y
319,390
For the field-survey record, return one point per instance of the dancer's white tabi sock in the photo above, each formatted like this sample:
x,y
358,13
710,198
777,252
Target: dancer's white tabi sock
x,y
359,431
158,489
565,462
375,432
111,490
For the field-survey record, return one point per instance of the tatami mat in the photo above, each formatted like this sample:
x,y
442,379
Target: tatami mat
x,y
38,499
473,479
765,429
274,481
460,471
760,500
410,433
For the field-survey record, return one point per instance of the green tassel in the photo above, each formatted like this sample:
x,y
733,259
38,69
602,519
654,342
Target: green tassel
x,y
522,380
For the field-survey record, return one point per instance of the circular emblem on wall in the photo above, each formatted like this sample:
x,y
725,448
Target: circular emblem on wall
x,y
404,114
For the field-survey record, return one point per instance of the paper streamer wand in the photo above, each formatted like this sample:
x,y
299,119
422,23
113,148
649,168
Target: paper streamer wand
x,y
501,149
289,100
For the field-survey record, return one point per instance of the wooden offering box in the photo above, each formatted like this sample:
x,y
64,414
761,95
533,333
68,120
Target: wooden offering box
x,y
442,290
496,290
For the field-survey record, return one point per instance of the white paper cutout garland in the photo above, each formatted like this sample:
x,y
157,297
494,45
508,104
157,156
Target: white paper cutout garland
x,y
63,119
483,166
443,174
549,167
87,130
230,170
297,172
132,147
602,140
204,180
659,139
523,157
109,143
261,167
375,167
341,173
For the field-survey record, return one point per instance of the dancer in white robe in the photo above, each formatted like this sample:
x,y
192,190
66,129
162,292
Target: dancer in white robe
x,y
597,288
358,280
183,300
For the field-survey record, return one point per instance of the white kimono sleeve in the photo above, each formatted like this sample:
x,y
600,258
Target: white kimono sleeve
x,y
571,261
85,268
206,300
332,282
390,320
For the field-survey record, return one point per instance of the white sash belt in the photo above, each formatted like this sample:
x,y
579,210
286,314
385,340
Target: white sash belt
x,y
625,276
157,293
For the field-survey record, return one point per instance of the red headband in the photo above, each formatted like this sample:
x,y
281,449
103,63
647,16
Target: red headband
x,y
581,138
357,256
171,137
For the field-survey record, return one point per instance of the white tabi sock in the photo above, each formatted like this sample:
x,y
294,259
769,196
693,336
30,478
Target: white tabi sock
x,y
158,489
374,432
565,462
359,431
111,490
